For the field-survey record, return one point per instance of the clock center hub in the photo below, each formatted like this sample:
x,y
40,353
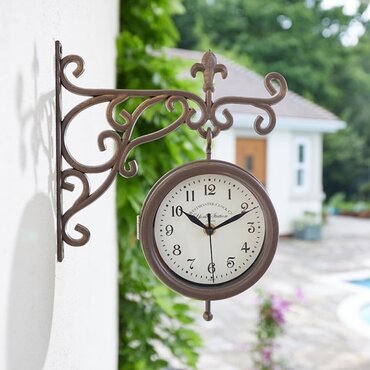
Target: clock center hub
x,y
210,230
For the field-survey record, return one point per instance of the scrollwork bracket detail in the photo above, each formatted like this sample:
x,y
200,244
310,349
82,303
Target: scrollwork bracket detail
x,y
199,119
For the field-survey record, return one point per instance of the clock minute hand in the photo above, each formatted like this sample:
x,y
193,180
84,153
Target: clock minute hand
x,y
194,220
234,218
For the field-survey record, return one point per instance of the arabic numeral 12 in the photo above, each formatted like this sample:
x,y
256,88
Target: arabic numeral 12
x,y
210,189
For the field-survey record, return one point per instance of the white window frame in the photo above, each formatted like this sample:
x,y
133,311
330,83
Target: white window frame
x,y
302,165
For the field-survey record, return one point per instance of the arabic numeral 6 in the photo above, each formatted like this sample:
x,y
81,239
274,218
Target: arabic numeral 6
x,y
211,268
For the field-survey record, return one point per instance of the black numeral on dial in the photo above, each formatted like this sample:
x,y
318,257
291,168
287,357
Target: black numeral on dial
x,y
169,230
245,247
230,262
251,228
191,260
190,195
176,211
176,250
244,206
211,268
210,189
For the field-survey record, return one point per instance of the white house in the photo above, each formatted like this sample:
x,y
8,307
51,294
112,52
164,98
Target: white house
x,y
288,161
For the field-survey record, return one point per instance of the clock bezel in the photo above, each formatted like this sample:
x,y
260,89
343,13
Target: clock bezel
x,y
189,288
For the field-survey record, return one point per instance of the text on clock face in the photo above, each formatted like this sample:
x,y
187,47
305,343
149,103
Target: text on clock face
x,y
209,229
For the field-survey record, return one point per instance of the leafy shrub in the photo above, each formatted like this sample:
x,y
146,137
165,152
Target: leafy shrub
x,y
150,315
365,190
339,205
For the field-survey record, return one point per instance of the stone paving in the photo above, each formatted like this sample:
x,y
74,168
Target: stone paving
x,y
315,337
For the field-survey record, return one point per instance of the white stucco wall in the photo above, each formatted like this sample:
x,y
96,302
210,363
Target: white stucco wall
x,y
224,147
280,177
52,315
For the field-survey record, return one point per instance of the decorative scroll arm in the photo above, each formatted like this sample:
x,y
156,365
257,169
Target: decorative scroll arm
x,y
199,119
129,145
264,104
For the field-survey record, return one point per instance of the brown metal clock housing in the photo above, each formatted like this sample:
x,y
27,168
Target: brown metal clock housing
x,y
165,273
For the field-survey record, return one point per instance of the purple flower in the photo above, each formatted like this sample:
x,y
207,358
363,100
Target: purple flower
x,y
279,307
280,304
266,355
300,296
278,317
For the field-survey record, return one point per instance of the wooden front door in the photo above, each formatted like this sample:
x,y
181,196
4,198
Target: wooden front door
x,y
251,155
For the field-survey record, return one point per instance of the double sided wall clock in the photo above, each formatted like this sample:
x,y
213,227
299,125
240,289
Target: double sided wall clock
x,y
208,229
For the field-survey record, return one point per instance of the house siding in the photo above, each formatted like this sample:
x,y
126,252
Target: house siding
x,y
280,171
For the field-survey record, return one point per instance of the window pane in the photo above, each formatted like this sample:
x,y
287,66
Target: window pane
x,y
300,177
249,163
301,153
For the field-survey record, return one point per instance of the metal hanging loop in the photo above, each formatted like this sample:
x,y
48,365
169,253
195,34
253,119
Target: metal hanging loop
x,y
209,143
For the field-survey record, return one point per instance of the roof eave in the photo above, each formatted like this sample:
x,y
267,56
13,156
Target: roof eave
x,y
243,120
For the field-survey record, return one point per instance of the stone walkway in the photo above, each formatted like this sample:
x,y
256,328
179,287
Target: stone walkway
x,y
315,337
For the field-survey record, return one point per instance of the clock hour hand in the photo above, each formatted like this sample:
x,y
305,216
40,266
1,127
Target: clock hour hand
x,y
194,220
234,218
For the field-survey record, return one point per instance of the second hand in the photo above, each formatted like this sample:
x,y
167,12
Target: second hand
x,y
209,232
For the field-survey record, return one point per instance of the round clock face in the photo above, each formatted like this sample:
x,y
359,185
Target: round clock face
x,y
212,251
208,230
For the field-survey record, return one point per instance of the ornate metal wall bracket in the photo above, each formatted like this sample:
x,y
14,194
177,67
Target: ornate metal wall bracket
x,y
199,118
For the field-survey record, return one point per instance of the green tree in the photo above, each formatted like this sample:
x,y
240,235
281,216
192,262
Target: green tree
x,y
343,151
149,313
304,42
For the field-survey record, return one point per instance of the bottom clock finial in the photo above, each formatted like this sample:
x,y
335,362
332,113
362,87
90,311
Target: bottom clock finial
x,y
207,315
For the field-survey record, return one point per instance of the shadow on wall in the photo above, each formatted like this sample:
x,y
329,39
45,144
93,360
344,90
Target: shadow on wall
x,y
32,283
32,279
36,125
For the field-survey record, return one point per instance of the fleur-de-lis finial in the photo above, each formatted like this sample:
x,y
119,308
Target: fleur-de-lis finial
x,y
209,67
